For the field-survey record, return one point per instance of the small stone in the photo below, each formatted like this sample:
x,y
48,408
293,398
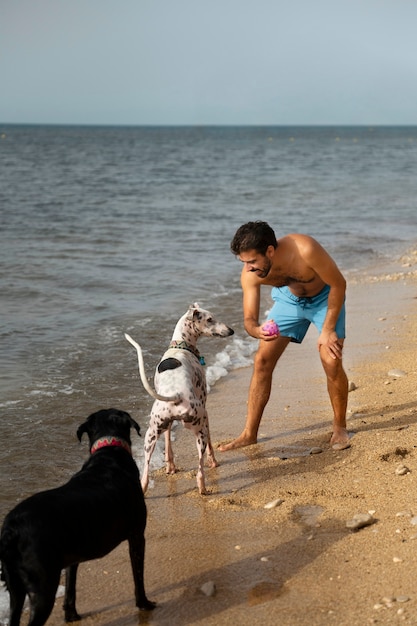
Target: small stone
x,y
404,514
209,588
402,470
264,559
316,450
402,598
413,521
397,559
396,373
351,386
273,503
360,520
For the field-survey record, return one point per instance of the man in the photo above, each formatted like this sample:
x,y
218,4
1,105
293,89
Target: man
x,y
307,286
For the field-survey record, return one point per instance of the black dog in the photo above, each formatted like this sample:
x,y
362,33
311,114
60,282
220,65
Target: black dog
x,y
101,506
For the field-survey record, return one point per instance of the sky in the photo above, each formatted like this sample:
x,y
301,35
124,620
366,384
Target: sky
x,y
208,62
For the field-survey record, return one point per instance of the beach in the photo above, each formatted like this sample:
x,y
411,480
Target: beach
x,y
225,558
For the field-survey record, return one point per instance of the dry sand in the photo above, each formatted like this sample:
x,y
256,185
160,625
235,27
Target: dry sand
x,y
297,563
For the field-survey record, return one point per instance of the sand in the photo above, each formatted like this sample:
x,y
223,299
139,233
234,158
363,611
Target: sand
x,y
296,563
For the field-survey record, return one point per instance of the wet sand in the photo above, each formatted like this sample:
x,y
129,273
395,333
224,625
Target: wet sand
x,y
296,563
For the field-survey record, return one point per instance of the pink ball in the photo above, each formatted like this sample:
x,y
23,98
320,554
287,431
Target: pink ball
x,y
270,328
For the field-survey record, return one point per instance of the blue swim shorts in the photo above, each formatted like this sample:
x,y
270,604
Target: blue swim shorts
x,y
294,315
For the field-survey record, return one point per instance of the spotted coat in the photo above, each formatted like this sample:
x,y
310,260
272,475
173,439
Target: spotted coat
x,y
181,391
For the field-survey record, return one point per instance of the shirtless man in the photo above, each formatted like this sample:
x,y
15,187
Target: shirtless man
x,y
307,286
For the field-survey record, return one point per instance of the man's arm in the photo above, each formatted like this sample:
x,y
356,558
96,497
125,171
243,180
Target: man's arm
x,y
325,267
251,302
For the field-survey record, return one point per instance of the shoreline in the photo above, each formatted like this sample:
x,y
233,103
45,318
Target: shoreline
x,y
275,565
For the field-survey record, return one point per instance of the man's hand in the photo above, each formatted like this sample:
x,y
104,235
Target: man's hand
x,y
331,342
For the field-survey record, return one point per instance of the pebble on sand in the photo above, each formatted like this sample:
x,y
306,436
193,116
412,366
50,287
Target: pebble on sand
x,y
360,520
389,601
406,513
402,470
273,503
209,588
396,373
316,450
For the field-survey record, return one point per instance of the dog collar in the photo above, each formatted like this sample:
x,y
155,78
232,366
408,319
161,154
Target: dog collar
x,y
183,345
105,442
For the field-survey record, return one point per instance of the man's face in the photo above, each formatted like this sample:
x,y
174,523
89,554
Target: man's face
x,y
256,262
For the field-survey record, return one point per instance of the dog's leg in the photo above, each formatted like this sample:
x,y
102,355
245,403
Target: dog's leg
x,y
17,594
70,611
201,440
211,459
137,558
169,455
201,484
151,437
42,597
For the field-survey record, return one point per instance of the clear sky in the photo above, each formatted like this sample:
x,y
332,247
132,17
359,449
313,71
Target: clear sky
x,y
208,61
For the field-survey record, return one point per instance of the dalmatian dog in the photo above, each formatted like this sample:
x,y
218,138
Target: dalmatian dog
x,y
180,390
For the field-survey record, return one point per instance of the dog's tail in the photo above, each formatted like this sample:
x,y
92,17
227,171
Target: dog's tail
x,y
143,378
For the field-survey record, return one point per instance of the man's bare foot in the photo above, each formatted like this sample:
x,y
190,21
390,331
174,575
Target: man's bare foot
x,y
340,439
241,441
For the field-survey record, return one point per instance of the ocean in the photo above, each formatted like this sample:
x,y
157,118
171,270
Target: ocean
x,y
106,230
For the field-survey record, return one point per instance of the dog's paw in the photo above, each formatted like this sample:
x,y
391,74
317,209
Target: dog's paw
x,y
170,468
71,615
146,605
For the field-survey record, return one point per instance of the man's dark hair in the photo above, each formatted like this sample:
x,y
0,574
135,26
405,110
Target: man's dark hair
x,y
253,236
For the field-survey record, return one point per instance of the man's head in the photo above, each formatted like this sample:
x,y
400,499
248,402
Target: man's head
x,y
257,236
254,244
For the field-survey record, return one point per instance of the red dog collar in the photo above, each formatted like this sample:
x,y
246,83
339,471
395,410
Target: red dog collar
x,y
105,442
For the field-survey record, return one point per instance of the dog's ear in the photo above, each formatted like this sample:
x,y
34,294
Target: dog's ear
x,y
192,310
196,316
81,430
134,425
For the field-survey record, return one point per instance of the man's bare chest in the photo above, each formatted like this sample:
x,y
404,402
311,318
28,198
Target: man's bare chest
x,y
301,284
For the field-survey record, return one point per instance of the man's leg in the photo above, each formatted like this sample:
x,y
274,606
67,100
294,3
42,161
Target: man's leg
x,y
259,390
337,387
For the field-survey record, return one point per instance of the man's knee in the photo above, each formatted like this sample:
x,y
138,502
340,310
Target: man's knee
x,y
333,368
264,362
268,354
